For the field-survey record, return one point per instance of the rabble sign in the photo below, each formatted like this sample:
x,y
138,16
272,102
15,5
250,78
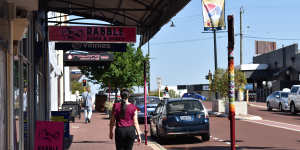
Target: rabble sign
x,y
103,34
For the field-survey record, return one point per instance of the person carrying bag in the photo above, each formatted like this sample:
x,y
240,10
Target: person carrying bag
x,y
124,117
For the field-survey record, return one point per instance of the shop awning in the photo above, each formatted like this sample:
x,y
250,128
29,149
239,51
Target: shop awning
x,y
147,15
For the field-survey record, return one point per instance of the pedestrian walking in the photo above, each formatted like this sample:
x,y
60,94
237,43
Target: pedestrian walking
x,y
124,117
87,105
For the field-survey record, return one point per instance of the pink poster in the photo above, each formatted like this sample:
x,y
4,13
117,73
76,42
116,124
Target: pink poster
x,y
49,135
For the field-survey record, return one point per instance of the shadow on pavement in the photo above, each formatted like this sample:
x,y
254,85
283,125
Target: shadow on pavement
x,y
90,142
223,148
237,141
179,140
68,142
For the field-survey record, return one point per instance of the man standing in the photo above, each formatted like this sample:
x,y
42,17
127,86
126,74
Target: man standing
x,y
88,105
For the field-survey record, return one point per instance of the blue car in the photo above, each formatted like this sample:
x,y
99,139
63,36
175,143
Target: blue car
x,y
152,102
194,95
183,116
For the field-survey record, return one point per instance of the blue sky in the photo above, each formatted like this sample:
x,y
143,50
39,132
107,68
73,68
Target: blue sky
x,y
184,54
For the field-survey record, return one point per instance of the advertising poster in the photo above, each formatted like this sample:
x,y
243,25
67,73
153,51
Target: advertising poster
x,y
213,14
49,135
62,116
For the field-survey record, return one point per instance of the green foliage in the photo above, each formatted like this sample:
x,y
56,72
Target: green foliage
x,y
155,93
125,71
75,85
173,94
220,81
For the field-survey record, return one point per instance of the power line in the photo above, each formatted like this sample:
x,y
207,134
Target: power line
x,y
270,38
185,41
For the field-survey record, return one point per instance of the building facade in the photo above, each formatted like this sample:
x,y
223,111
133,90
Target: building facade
x,y
282,71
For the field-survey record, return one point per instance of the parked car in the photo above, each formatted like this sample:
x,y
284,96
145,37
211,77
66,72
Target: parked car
x,y
194,95
278,100
181,116
139,102
294,99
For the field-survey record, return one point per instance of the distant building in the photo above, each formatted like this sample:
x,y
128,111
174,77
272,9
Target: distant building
x,y
273,71
202,89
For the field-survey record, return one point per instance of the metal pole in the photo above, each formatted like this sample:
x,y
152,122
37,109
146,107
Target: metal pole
x,y
145,98
149,63
9,76
215,55
241,36
231,85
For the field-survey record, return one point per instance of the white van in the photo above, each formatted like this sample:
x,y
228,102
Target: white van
x,y
294,99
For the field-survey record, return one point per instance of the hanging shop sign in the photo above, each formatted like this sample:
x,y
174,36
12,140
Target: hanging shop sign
x,y
103,34
111,47
49,135
213,14
87,59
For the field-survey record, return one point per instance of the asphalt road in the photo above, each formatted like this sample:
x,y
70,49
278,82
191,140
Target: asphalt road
x,y
277,131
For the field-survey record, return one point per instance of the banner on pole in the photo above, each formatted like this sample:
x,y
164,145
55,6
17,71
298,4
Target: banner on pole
x,y
213,14
101,34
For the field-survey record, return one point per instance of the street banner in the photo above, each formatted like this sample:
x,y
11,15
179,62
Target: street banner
x,y
101,34
213,14
49,135
111,47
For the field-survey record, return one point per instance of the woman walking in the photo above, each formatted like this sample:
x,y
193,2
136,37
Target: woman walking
x,y
124,117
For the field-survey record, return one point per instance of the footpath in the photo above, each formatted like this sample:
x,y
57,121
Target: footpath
x,y
94,135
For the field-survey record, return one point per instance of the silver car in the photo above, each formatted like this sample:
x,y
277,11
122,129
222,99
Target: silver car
x,y
278,100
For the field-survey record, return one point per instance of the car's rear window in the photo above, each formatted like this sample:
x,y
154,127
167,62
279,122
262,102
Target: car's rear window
x,y
150,100
284,94
182,106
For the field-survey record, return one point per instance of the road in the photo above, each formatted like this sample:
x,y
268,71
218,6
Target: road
x,y
277,131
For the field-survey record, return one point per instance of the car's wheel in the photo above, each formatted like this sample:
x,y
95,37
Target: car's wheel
x,y
269,108
205,137
293,108
280,108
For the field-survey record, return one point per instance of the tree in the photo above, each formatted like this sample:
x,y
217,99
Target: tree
x,y
173,94
220,81
76,86
125,71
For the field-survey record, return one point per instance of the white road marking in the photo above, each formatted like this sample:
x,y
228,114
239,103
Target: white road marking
x,y
260,106
277,124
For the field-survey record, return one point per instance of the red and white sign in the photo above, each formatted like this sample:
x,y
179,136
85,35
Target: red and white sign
x,y
101,34
49,135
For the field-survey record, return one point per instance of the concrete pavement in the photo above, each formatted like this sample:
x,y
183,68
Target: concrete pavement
x,y
94,135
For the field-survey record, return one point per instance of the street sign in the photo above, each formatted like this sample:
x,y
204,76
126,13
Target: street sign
x,y
101,34
87,59
111,47
158,81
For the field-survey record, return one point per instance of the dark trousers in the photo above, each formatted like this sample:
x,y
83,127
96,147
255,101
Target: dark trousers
x,y
124,137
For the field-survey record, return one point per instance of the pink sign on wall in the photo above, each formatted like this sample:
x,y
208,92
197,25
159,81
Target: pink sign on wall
x,y
107,34
49,135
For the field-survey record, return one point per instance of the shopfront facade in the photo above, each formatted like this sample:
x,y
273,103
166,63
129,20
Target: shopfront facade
x,y
23,73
